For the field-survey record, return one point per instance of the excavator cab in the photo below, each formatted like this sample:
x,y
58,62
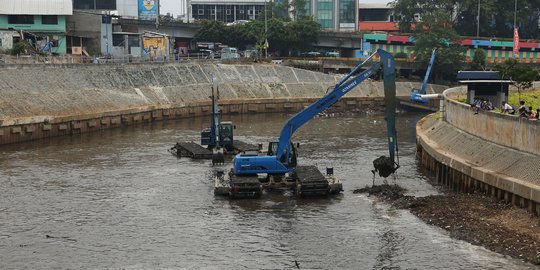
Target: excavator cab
x,y
226,137
292,162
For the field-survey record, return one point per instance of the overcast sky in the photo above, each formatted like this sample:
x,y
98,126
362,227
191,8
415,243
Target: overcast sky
x,y
176,7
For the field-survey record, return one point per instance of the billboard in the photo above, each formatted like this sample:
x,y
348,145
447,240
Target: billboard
x,y
148,9
155,46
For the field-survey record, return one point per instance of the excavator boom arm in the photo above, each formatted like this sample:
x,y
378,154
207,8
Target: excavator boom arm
x,y
342,87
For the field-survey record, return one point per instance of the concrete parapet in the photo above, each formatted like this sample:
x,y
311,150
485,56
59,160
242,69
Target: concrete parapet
x,y
470,163
508,130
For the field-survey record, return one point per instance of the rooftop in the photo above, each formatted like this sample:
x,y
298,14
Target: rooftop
x,y
478,75
36,7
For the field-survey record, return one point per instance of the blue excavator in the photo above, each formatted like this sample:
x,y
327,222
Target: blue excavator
x,y
281,158
218,138
219,134
416,94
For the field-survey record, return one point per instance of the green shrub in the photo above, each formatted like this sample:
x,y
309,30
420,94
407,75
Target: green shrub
x,y
18,48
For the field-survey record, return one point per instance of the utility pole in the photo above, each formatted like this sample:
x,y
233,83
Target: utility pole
x,y
265,33
157,17
478,21
515,12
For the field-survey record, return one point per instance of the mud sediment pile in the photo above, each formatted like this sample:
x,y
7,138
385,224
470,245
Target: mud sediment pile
x,y
475,218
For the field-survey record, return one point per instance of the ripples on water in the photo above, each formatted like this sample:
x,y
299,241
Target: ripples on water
x,y
118,199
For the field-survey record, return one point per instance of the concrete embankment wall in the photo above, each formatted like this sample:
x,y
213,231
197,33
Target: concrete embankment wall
x,y
503,129
46,101
487,152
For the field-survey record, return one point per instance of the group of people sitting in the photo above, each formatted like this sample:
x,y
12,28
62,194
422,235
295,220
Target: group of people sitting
x,y
480,103
523,111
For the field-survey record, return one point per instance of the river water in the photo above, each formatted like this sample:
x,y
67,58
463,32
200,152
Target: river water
x,y
118,200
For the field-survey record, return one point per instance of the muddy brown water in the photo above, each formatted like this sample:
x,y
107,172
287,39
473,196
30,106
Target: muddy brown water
x,y
118,200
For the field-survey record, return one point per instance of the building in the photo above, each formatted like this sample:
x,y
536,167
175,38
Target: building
x,y
123,8
377,17
337,15
41,24
95,28
228,10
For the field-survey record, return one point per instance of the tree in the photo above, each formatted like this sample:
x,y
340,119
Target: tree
x,y
253,32
496,16
407,9
212,31
302,33
276,38
298,8
435,32
522,75
281,36
479,59
235,36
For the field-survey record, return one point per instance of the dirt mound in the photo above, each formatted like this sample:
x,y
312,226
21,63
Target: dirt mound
x,y
475,218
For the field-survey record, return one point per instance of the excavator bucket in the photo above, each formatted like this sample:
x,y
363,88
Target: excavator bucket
x,y
218,157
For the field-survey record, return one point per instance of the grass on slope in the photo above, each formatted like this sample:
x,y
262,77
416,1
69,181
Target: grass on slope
x,y
531,98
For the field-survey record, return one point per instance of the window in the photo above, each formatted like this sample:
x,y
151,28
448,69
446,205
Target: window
x,y
21,19
133,41
106,4
346,11
94,4
118,40
200,11
241,11
49,19
212,12
83,4
228,12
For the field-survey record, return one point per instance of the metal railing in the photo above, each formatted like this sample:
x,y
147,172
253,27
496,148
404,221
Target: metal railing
x,y
81,59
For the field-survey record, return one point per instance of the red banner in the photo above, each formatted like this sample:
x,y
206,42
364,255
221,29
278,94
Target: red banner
x,y
516,42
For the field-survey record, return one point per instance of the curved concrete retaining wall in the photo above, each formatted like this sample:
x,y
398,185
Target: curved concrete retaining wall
x,y
503,129
480,152
50,101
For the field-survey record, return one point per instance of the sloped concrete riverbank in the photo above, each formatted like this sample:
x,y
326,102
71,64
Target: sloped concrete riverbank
x,y
46,101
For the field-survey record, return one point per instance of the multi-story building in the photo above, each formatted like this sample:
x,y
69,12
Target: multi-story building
x,y
143,9
337,15
42,24
228,10
377,17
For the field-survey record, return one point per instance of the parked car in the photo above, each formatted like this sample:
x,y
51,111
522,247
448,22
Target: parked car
x,y
332,54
